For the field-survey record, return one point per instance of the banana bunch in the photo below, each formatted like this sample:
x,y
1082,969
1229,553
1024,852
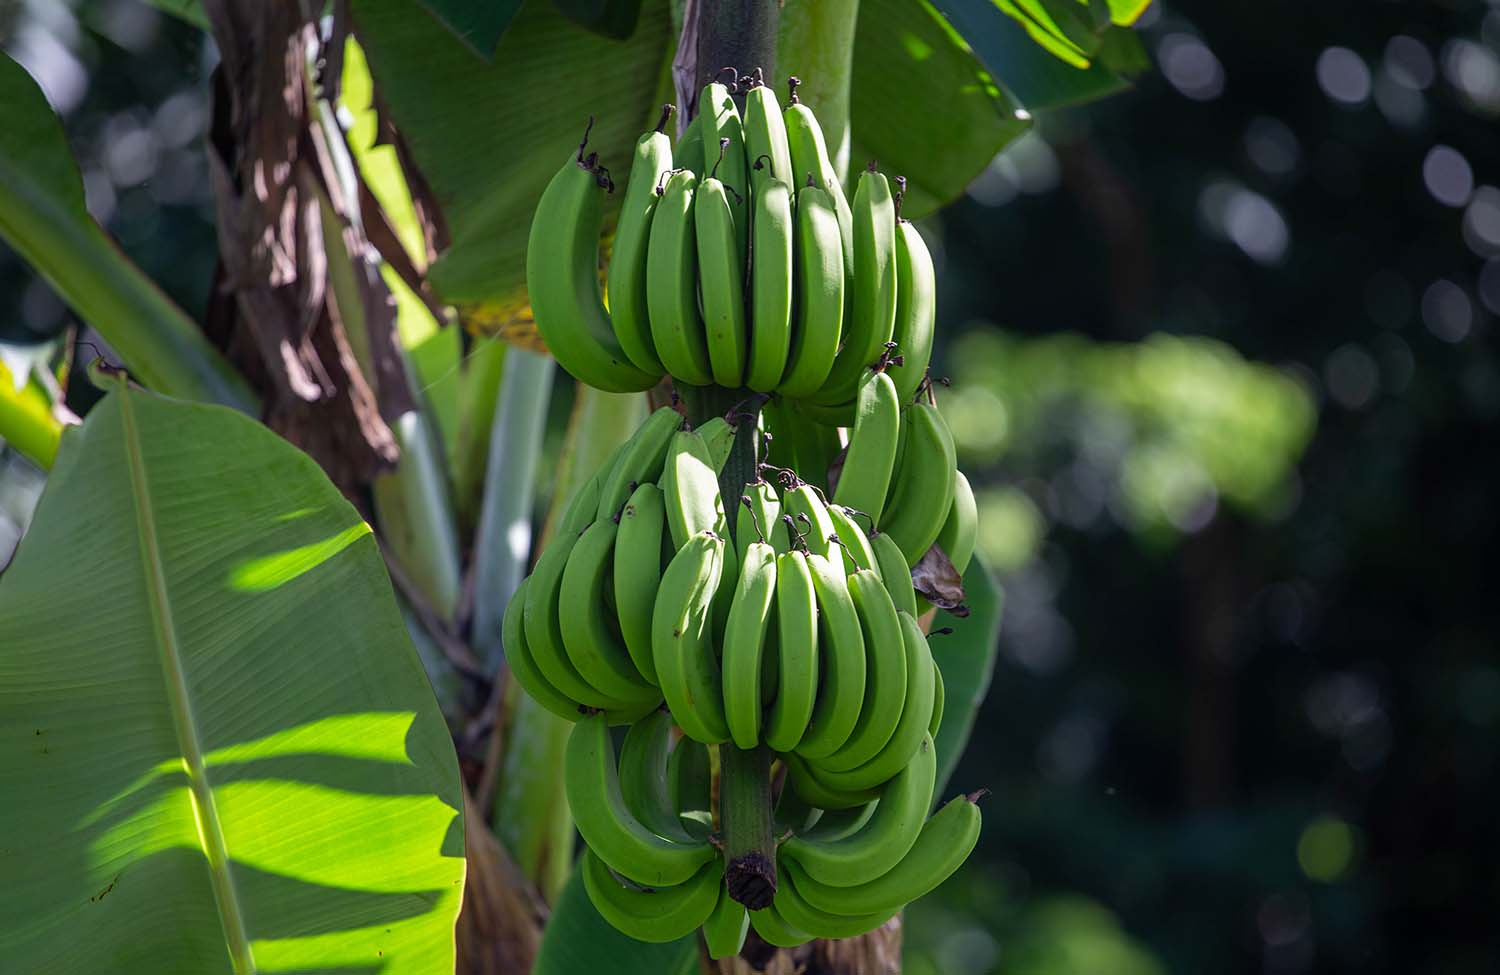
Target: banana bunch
x,y
653,870
737,261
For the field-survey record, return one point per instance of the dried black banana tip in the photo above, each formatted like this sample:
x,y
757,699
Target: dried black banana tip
x,y
584,145
667,111
791,90
751,880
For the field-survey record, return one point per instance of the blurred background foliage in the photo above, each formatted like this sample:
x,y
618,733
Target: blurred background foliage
x,y
1224,377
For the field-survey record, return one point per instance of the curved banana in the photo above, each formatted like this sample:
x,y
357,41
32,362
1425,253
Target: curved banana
x,y
915,720
885,839
721,120
856,544
916,310
810,515
598,654
672,283
886,677
944,844
544,630
721,281
580,510
637,572
760,519
523,667
872,308
841,666
923,487
794,907
656,914
562,280
689,148
770,284
866,477
938,694
797,653
960,529
645,757
681,639
592,782
801,779
835,824
627,264
766,144
724,931
690,488
810,159
641,461
819,286
794,813
894,572
744,639
718,436
773,930
690,782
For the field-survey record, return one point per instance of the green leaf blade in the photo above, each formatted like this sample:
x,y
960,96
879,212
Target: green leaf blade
x,y
967,659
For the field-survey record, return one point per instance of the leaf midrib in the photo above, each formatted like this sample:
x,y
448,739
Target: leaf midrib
x,y
205,812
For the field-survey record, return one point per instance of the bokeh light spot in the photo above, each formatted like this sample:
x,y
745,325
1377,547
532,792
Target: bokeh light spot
x,y
1447,311
1448,176
1325,851
1190,67
1343,76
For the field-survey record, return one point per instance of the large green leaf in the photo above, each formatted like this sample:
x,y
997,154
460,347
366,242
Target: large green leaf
x,y
220,752
578,941
488,136
42,216
922,105
478,25
967,659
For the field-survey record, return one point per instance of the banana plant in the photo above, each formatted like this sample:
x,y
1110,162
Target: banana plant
x,y
280,722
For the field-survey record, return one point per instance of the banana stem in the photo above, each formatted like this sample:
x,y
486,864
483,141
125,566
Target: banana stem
x,y
748,828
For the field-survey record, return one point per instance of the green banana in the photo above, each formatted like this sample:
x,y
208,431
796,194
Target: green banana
x,y
857,551
672,283
690,784
835,824
637,572
923,487
794,813
627,264
744,639
808,512
724,931
938,694
689,146
770,285
944,844
916,310
886,676
797,638
841,666
801,779
644,760
773,930
823,924
657,914
872,308
766,144
819,288
690,488
721,282
544,630
592,782
523,667
911,728
894,572
810,160
598,654
866,476
760,520
960,529
721,120
580,511
718,436
681,639
641,461
885,839
562,280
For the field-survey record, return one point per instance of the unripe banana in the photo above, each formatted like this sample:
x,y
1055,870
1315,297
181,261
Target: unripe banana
x,y
721,120
923,487
797,650
724,931
690,782
944,844
598,654
799,777
718,436
744,639
760,520
682,639
866,476
562,280
835,824
894,572
794,813
544,631
885,680
523,667
770,285
690,488
645,757
580,511
872,309
689,148
857,551
819,287
657,914
592,781
886,838
960,529
765,139
794,907
916,310
773,930
914,724
721,281
807,447
637,572
841,666
810,158
938,694
641,461
810,515
672,283
627,264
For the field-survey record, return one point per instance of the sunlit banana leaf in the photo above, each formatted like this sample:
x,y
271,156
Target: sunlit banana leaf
x,y
577,941
967,659
220,752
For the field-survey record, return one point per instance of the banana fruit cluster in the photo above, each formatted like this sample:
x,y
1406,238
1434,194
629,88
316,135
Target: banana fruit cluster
x,y
737,261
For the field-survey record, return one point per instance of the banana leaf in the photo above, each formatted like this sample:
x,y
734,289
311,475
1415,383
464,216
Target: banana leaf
x,y
577,941
967,659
